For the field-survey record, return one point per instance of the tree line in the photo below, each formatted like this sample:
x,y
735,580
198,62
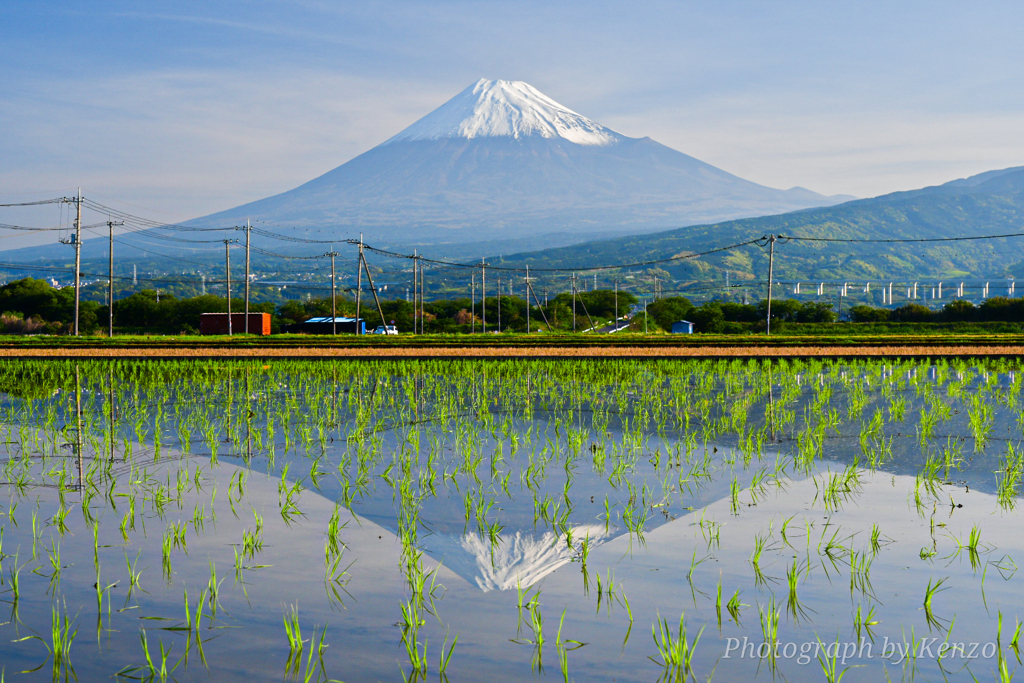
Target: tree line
x,y
32,306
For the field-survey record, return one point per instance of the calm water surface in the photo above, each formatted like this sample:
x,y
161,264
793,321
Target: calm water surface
x,y
510,521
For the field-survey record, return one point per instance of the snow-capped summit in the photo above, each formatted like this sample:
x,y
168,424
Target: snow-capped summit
x,y
506,109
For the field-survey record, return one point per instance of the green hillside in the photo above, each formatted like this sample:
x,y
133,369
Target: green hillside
x,y
992,203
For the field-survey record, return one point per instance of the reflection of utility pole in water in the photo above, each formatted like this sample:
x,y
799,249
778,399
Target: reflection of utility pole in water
x,y
771,404
248,420
110,403
78,422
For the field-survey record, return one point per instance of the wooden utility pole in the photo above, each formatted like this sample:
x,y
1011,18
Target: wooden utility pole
x,y
483,296
472,303
78,257
771,274
227,278
499,303
573,302
247,229
359,281
530,290
334,296
373,289
415,290
527,299
110,277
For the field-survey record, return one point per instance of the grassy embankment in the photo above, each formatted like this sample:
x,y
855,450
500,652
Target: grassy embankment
x,y
804,339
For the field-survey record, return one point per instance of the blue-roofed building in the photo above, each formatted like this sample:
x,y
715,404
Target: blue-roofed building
x,y
682,327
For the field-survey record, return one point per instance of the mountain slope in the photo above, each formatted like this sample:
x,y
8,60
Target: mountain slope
x,y
503,161
987,204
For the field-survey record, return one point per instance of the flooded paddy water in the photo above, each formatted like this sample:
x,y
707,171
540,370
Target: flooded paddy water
x,y
491,520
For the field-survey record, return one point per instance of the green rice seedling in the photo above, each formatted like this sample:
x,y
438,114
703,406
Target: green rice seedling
x,y
252,541
213,590
53,557
694,563
314,664
782,531
760,545
629,613
442,665
897,408
59,519
711,531
734,606
584,550
860,572
864,622
1009,476
522,598
563,654
973,542
536,620
293,631
981,417
14,580
952,456
335,580
675,650
933,588
828,656
876,535
152,672
134,575
333,546
769,615
59,645
793,606
734,496
1003,673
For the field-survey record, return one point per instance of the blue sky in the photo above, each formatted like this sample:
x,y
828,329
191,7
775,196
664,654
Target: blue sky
x,y
186,108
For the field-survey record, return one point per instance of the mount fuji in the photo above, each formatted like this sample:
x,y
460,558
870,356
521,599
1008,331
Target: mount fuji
x,y
501,165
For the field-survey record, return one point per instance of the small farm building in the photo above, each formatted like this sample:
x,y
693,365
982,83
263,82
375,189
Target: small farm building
x,y
682,327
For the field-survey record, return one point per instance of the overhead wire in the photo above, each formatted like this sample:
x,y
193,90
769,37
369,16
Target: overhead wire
x,y
893,241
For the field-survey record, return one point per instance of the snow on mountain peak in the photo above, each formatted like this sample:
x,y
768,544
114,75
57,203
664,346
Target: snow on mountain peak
x,y
506,109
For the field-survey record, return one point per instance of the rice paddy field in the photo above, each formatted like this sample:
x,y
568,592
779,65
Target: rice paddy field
x,y
564,520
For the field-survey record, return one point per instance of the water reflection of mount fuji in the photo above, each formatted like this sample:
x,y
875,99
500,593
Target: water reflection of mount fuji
x,y
518,558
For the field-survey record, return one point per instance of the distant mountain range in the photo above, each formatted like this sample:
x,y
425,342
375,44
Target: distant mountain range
x,y
990,203
503,169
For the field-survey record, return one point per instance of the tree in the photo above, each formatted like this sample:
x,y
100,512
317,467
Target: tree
x,y
783,310
869,314
34,298
1002,308
912,313
708,318
671,309
959,310
816,312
